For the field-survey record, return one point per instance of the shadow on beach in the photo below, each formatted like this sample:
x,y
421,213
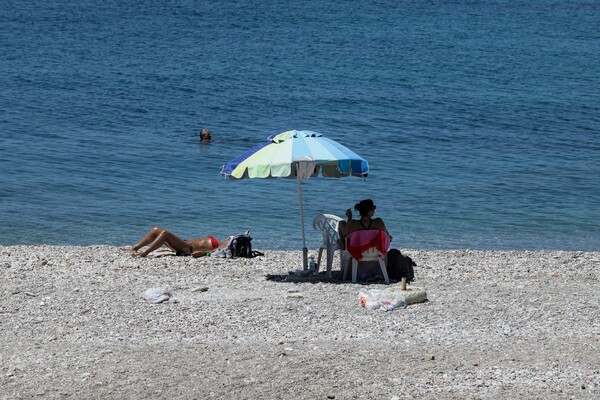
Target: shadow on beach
x,y
335,279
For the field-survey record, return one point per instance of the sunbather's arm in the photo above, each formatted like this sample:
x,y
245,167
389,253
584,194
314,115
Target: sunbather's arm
x,y
349,214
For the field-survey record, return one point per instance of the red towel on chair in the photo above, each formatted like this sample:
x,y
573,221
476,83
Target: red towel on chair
x,y
360,241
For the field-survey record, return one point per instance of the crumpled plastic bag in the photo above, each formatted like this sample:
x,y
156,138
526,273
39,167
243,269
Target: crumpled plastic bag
x,y
222,253
157,295
219,253
381,299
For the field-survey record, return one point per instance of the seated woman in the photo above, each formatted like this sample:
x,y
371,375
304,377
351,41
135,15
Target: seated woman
x,y
189,247
366,209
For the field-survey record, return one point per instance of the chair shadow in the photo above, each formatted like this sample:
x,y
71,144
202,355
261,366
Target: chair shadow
x,y
336,279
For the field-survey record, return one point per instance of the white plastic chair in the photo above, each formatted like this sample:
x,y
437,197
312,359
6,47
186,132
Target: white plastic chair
x,y
370,254
328,224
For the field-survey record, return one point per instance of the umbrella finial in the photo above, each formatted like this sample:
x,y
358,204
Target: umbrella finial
x,y
293,134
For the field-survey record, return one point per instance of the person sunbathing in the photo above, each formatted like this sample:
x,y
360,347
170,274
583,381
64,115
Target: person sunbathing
x,y
197,247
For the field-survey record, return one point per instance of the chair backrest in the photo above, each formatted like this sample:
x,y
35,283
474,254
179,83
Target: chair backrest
x,y
327,224
367,242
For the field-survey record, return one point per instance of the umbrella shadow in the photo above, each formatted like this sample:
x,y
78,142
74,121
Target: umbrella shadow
x,y
336,279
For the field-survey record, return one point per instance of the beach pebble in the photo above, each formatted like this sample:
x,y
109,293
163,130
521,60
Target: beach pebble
x,y
79,320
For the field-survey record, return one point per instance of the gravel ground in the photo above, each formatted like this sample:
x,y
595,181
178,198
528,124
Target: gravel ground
x,y
512,324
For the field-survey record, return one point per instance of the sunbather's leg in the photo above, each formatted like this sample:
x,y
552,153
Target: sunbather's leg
x,y
149,238
157,237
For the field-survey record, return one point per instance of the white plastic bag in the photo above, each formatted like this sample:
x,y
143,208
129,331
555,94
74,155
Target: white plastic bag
x,y
384,300
157,295
219,253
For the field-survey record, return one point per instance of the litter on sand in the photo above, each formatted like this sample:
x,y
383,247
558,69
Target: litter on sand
x,y
391,298
157,295
383,300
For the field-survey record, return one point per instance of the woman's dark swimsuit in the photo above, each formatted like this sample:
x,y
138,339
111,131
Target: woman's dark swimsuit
x,y
365,227
214,242
186,253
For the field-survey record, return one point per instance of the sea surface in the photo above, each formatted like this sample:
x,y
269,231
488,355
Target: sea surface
x,y
480,119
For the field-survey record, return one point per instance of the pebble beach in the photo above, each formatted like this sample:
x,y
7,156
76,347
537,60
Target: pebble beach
x,y
497,325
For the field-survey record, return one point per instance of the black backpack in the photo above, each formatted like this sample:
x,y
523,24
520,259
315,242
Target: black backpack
x,y
241,246
399,266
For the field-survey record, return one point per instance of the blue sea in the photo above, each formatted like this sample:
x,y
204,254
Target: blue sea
x,y
480,119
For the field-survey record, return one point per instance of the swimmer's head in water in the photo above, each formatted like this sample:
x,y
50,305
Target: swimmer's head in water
x,y
205,135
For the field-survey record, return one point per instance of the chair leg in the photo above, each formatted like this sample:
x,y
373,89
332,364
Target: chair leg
x,y
330,254
354,270
384,271
345,263
319,258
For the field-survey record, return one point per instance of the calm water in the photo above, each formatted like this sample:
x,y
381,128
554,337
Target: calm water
x,y
480,120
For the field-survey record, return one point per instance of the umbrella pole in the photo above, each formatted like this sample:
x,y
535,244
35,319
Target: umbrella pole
x,y
304,249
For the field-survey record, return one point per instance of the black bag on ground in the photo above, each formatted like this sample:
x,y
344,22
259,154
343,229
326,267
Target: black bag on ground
x,y
399,266
241,246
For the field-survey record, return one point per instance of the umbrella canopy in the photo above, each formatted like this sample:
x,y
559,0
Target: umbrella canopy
x,y
298,155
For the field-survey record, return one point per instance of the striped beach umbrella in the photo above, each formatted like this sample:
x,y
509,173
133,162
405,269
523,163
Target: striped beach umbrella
x,y
297,155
